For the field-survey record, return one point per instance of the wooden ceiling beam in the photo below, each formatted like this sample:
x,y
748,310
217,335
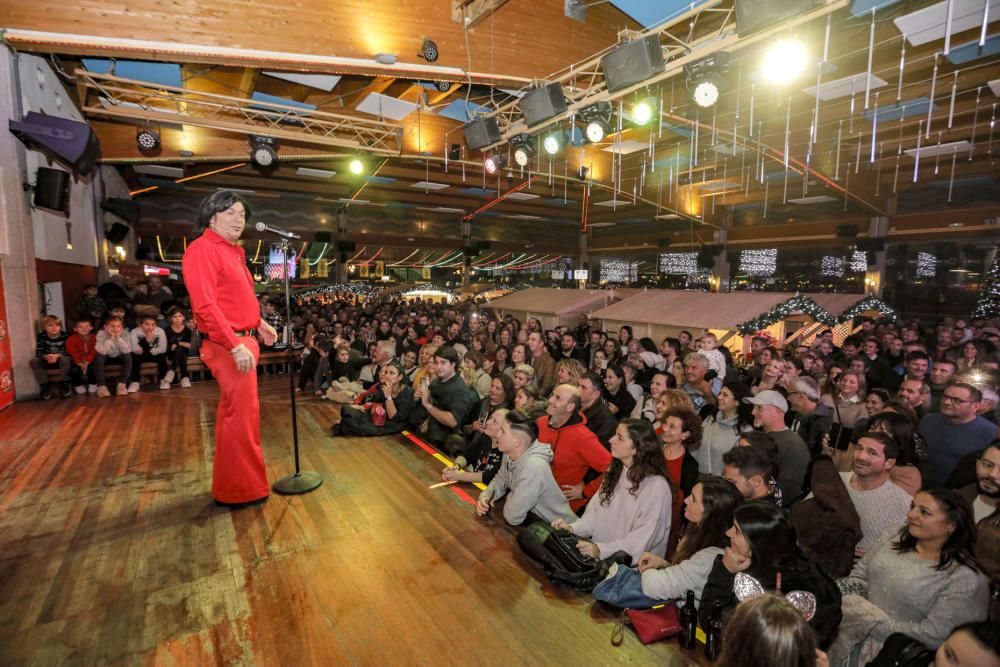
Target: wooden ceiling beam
x,y
474,12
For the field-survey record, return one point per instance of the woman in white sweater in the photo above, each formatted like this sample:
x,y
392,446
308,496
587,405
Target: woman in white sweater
x,y
721,431
709,510
631,512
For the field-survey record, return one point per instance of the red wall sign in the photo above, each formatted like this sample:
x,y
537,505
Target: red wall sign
x,y
6,361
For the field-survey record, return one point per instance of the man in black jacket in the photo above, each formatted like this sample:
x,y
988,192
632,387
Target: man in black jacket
x,y
812,419
600,419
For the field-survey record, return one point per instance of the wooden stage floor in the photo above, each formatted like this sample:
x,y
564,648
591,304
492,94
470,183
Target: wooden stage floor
x,y
112,552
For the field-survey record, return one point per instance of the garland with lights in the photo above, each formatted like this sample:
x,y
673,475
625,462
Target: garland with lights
x,y
797,304
867,303
988,303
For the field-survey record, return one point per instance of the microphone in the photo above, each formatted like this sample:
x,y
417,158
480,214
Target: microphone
x,y
262,227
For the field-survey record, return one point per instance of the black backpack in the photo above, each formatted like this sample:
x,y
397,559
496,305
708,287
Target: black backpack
x,y
900,650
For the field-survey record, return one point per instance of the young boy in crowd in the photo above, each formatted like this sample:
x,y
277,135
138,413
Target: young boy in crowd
x,y
50,354
178,347
82,349
149,343
114,346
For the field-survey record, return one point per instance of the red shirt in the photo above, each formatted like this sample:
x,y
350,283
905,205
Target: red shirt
x,y
575,450
82,349
221,288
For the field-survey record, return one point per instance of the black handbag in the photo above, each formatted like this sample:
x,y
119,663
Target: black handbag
x,y
554,549
840,435
900,650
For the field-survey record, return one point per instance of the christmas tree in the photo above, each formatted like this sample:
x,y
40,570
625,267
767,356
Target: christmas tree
x,y
988,304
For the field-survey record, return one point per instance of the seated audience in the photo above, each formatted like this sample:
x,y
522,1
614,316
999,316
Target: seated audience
x,y
750,468
444,403
81,346
922,582
620,401
769,408
543,363
480,462
382,409
708,510
600,420
813,418
525,476
50,354
881,505
768,631
114,347
955,432
149,343
721,430
524,376
680,434
632,510
984,496
569,371
702,391
499,396
474,375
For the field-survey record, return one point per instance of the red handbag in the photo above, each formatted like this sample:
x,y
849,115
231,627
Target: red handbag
x,y
650,625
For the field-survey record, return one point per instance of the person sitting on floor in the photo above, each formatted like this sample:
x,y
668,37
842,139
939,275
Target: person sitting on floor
x,y
525,476
600,420
114,346
50,354
81,346
619,400
479,465
632,511
444,403
384,408
709,514
149,343
499,396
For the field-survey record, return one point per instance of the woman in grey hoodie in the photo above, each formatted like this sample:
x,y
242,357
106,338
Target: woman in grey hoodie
x,y
721,431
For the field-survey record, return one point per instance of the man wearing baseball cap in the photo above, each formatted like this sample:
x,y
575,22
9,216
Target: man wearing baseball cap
x,y
769,408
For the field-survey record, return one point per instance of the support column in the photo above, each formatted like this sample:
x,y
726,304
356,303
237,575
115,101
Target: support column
x,y
466,250
878,228
719,281
342,257
583,257
17,240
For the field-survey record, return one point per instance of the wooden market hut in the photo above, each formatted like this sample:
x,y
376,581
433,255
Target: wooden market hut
x,y
553,306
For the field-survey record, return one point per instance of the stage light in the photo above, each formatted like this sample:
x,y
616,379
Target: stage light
x,y
706,93
643,110
784,61
494,163
523,145
263,150
597,117
147,140
706,77
357,166
429,51
443,86
553,142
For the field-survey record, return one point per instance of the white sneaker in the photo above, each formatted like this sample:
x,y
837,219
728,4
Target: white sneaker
x,y
80,390
102,392
91,388
168,378
185,382
164,383
122,391
133,387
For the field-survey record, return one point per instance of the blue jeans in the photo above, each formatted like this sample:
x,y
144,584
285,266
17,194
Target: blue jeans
x,y
624,590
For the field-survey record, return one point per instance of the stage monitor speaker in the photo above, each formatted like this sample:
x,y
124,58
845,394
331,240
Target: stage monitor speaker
x,y
52,189
542,104
322,237
632,63
754,15
455,152
345,246
481,132
69,140
126,209
848,231
117,233
870,245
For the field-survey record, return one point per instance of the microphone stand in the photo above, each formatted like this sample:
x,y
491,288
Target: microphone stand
x,y
301,481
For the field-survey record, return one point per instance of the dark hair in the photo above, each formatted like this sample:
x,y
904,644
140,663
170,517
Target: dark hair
x,y
527,352
901,429
217,202
617,370
986,633
744,411
882,394
960,544
594,378
974,393
177,309
447,353
771,535
889,445
675,344
508,389
648,462
768,631
147,318
751,460
720,498
692,424
521,421
627,329
648,345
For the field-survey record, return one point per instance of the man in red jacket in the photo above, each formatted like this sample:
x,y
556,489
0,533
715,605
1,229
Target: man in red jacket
x,y
576,449
228,316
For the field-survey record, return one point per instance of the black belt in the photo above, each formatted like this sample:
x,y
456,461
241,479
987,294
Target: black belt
x,y
238,332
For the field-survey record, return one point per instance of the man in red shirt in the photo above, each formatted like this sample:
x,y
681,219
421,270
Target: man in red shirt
x,y
227,314
576,450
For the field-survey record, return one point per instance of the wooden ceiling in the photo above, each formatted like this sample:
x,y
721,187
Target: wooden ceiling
x,y
734,166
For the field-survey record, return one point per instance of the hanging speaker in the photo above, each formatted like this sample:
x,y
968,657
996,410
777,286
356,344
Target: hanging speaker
x,y
52,189
69,140
754,15
632,63
481,132
117,233
455,152
543,103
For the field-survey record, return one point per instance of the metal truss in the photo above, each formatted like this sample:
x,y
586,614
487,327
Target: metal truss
x,y
169,105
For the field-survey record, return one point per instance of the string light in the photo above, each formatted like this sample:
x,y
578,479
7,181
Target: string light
x,y
859,261
797,304
678,262
618,271
926,265
762,262
867,304
988,303
832,266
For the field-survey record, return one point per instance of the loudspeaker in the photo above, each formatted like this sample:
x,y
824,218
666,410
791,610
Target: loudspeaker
x,y
117,233
322,237
126,209
52,189
481,132
455,152
754,15
870,245
847,231
543,103
68,140
345,246
632,62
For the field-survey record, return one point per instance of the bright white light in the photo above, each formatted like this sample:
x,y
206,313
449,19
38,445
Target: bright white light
x,y
356,166
595,132
706,93
784,61
491,165
762,262
551,144
642,112
520,157
926,265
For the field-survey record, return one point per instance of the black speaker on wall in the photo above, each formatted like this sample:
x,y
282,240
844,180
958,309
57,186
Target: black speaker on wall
x,y
632,63
455,152
543,103
117,233
322,237
754,15
870,245
481,132
52,189
69,140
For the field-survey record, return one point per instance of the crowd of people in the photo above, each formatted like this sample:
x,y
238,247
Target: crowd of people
x,y
864,472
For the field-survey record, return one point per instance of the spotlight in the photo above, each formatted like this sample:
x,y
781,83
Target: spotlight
x,y
643,110
597,117
784,61
263,150
706,93
443,86
494,163
553,142
147,139
706,77
429,51
357,166
523,149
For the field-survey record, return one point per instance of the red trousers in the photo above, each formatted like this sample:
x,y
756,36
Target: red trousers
x,y
238,474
